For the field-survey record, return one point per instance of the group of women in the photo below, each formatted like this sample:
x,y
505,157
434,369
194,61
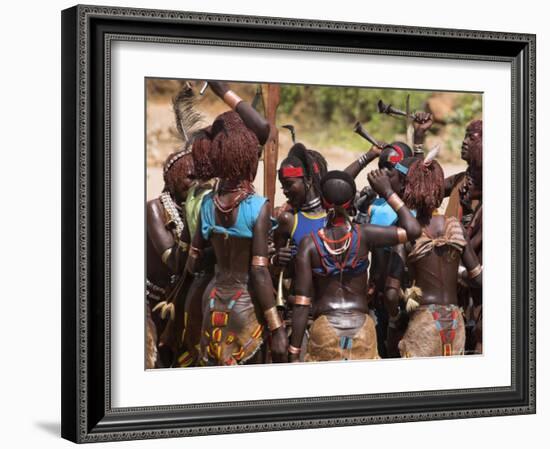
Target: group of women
x,y
333,274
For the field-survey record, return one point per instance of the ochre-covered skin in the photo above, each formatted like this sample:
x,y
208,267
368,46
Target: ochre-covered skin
x,y
434,258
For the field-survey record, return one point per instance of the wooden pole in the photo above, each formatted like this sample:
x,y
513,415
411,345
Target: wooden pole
x,y
271,148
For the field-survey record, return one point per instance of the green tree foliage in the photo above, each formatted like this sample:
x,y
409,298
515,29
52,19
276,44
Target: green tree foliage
x,y
325,115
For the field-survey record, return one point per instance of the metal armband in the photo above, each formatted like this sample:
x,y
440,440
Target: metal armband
x,y
231,99
402,235
294,350
475,272
301,300
273,319
395,202
260,261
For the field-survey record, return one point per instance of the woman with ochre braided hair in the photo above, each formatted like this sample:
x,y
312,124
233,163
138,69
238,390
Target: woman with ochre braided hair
x,y
236,222
332,272
436,325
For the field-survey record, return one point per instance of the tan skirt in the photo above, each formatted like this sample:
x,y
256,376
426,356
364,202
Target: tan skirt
x,y
330,340
427,336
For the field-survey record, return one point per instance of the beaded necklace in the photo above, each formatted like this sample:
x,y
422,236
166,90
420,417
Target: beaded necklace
x,y
173,211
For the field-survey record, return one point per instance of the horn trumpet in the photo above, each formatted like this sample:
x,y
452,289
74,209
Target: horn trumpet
x,y
384,108
358,128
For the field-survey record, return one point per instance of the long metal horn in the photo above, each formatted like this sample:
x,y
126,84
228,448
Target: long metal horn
x,y
384,108
358,128
279,301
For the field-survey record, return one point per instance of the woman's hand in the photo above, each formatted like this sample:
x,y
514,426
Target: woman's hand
x,y
422,122
380,182
279,345
283,257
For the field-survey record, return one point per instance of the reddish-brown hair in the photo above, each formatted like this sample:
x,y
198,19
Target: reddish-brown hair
x,y
234,148
175,171
202,145
424,187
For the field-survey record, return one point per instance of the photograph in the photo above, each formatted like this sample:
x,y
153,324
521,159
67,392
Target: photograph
x,y
298,223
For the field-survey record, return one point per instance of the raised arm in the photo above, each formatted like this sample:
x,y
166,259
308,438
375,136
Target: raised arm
x,y
356,166
252,119
304,294
409,228
263,288
422,122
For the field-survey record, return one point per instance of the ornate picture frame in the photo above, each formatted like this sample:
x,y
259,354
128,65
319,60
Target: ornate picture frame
x,y
87,35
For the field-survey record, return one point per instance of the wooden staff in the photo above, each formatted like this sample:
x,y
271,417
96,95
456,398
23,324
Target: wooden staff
x,y
271,147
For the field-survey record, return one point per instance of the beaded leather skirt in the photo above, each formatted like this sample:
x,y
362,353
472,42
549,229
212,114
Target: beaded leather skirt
x,y
434,330
231,333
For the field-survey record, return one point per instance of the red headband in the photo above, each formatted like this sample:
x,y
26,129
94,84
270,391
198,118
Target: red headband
x,y
328,205
396,158
292,172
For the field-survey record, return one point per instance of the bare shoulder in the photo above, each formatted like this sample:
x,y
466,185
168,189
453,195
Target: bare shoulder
x,y
285,221
155,210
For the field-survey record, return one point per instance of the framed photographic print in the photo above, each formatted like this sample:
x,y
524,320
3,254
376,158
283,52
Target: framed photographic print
x,y
277,224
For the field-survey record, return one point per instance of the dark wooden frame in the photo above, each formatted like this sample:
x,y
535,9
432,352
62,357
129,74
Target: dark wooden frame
x,y
87,32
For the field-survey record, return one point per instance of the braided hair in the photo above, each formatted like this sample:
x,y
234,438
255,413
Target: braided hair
x,y
338,191
178,165
424,187
227,149
313,164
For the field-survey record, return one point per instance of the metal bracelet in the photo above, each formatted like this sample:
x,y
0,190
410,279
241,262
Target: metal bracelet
x,y
395,202
301,300
475,272
260,261
294,350
402,235
273,319
231,99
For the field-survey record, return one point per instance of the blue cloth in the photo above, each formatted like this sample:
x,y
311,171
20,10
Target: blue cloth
x,y
351,263
382,214
305,224
248,212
